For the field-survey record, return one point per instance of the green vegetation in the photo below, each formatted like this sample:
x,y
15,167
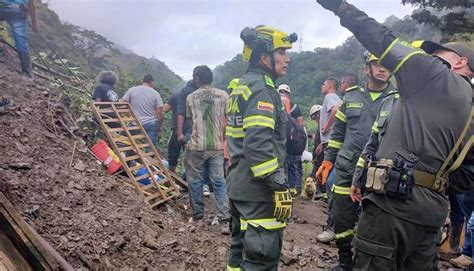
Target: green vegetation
x,y
308,70
449,16
89,52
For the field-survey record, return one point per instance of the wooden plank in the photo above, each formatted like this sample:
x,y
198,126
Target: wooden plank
x,y
39,254
139,155
125,110
153,196
138,136
124,149
110,120
148,186
114,130
130,158
136,167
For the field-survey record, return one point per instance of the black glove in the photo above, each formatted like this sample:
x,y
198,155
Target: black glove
x,y
331,5
277,181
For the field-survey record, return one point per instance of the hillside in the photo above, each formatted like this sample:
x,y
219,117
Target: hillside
x,y
98,222
308,70
88,52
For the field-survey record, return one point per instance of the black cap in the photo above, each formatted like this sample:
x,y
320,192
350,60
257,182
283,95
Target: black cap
x,y
459,48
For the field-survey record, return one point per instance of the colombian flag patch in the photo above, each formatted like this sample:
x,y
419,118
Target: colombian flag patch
x,y
265,106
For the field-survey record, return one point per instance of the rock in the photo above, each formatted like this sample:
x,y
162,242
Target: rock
x,y
302,262
288,257
287,246
79,165
21,165
181,229
172,243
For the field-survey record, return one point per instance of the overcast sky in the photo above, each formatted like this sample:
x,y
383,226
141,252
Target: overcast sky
x,y
187,33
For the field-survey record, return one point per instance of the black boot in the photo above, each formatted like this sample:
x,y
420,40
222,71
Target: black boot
x,y
454,238
345,259
341,267
26,67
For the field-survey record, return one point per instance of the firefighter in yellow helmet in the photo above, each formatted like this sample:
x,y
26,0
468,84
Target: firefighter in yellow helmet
x,y
256,134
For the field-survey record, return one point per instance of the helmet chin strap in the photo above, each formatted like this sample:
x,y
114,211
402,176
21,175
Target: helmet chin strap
x,y
377,81
271,70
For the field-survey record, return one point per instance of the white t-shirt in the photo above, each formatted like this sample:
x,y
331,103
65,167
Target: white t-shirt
x,y
330,100
144,101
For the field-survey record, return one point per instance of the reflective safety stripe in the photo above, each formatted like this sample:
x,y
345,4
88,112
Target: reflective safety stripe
x,y
361,162
351,88
235,132
397,54
340,116
267,223
341,190
345,234
265,167
243,91
230,268
397,96
375,128
387,50
334,144
259,120
405,59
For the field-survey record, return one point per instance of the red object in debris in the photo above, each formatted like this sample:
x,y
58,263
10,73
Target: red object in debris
x,y
106,156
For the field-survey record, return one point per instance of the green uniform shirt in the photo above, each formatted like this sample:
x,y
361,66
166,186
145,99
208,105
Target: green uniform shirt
x,y
433,109
378,131
352,127
256,136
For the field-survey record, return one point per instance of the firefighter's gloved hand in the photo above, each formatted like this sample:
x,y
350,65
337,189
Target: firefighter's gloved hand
x,y
331,5
323,172
283,205
277,181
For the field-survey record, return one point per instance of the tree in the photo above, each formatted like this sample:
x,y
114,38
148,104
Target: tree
x,y
449,16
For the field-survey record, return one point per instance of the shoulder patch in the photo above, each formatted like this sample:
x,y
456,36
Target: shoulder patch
x,y
269,81
384,114
264,106
354,105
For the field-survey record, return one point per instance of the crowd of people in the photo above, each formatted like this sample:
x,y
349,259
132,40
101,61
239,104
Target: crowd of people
x,y
391,157
387,153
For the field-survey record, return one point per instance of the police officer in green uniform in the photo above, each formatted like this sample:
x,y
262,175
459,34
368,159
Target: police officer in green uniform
x,y
257,187
351,131
378,131
399,228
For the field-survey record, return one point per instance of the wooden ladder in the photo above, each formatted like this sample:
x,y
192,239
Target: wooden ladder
x,y
135,151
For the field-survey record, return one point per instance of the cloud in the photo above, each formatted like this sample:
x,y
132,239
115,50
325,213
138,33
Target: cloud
x,y
186,33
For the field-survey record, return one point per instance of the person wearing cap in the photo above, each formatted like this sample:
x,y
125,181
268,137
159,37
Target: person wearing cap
x,y
351,131
259,197
293,163
399,228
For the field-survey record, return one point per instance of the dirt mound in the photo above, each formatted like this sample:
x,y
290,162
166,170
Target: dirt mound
x,y
94,220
